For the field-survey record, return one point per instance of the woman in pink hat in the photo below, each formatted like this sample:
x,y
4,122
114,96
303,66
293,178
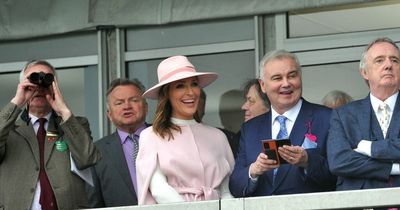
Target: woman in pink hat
x,y
179,158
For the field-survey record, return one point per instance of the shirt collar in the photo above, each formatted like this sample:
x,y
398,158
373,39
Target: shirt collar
x,y
34,118
291,114
391,101
123,134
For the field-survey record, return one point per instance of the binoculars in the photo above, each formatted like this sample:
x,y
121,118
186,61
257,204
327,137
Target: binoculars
x,y
41,79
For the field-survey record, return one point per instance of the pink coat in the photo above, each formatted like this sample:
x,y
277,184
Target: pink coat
x,y
195,162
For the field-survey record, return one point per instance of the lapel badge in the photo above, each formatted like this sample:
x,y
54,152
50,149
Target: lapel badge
x,y
61,146
51,136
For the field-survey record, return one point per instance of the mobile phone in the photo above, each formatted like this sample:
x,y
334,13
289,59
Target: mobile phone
x,y
270,148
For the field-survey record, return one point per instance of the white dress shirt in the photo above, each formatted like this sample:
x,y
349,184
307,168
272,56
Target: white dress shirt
x,y
291,116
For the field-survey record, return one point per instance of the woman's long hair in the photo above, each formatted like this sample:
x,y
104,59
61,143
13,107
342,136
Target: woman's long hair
x,y
162,124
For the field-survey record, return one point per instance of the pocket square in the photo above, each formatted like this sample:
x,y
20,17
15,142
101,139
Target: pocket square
x,y
308,143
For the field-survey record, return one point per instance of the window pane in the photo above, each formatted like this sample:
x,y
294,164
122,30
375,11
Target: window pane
x,y
71,45
179,35
319,80
79,87
224,96
371,16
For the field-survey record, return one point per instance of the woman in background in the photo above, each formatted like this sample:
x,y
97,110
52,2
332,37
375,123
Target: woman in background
x,y
181,159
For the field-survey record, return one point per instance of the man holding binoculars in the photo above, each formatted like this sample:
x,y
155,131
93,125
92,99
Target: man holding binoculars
x,y
37,148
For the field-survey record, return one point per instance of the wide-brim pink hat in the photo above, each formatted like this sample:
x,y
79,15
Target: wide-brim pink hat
x,y
176,68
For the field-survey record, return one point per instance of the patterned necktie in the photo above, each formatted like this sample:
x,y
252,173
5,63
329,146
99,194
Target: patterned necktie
x,y
282,127
135,141
282,134
383,109
47,199
135,149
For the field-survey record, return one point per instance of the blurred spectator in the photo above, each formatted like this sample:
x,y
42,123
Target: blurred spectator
x,y
234,144
256,102
336,98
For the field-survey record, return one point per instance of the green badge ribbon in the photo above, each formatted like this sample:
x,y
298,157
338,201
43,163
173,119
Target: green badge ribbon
x,y
61,146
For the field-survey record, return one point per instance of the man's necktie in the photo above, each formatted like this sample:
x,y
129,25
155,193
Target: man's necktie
x,y
384,117
135,141
135,150
47,199
384,109
282,134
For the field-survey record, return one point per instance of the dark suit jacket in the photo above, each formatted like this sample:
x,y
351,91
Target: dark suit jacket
x,y
19,160
112,180
232,139
349,125
289,179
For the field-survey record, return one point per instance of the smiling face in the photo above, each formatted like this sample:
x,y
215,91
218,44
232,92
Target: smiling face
x,y
127,108
282,83
382,69
184,97
38,104
254,104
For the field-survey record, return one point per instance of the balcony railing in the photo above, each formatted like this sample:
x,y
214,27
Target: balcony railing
x,y
355,199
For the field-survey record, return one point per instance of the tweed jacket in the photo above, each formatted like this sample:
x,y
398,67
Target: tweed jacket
x,y
19,160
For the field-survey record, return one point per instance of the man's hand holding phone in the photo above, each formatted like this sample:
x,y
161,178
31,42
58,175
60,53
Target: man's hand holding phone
x,y
294,155
262,165
271,148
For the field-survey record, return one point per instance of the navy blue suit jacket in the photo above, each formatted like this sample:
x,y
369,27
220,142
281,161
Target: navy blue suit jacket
x,y
290,179
349,125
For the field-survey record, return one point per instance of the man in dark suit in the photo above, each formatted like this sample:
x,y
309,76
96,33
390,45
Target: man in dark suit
x,y
229,134
115,175
304,123
363,142
35,150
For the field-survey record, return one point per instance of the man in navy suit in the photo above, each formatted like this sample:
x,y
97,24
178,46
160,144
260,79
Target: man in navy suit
x,y
305,124
114,176
363,142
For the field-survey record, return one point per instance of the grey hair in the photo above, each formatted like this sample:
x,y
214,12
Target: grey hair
x,y
363,61
277,54
33,63
337,97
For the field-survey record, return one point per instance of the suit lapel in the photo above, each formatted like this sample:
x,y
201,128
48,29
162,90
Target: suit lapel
x,y
299,128
265,128
296,136
116,154
364,117
29,135
264,134
48,145
394,126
